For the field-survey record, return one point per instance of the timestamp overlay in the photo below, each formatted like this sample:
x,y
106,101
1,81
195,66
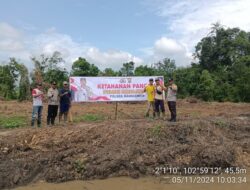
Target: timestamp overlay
x,y
203,175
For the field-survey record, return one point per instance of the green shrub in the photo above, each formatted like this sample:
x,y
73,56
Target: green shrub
x,y
79,166
156,131
12,122
89,117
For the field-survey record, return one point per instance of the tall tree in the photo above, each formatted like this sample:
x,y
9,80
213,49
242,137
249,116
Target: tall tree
x,y
127,69
222,47
165,68
187,79
82,67
24,83
144,70
205,88
8,79
109,72
49,68
224,53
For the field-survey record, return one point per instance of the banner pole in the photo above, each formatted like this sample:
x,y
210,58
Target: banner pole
x,y
116,106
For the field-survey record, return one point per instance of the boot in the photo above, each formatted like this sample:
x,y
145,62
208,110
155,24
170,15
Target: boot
x,y
158,115
172,120
163,115
38,123
32,123
154,114
53,121
48,121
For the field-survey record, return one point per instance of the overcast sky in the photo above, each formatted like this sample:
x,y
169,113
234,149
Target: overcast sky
x,y
111,32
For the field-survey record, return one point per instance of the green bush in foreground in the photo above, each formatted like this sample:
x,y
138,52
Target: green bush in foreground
x,y
12,122
89,117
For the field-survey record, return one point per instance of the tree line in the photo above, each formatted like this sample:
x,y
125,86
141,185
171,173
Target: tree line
x,y
221,73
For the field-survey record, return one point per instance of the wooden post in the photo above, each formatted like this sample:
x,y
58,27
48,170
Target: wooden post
x,y
116,106
70,117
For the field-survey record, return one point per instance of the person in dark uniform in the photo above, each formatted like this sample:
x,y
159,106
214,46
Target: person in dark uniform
x,y
65,101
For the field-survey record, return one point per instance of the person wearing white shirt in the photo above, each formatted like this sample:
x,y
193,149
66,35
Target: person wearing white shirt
x,y
53,102
37,95
159,97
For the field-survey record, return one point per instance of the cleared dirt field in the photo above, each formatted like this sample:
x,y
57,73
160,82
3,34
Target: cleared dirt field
x,y
98,146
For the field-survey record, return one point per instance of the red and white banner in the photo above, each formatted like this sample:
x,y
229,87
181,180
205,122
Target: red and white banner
x,y
93,89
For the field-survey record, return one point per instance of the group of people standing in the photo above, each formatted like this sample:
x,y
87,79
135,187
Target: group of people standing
x,y
156,98
62,99
56,98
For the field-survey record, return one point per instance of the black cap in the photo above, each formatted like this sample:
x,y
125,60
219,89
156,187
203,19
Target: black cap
x,y
151,79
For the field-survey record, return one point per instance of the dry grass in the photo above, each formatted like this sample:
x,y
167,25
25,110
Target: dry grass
x,y
106,111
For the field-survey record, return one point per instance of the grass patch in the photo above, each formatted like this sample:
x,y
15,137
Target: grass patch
x,y
79,166
156,131
220,123
89,118
194,114
12,122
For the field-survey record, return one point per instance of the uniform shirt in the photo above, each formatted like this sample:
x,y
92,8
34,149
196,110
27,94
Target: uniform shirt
x,y
65,99
53,96
159,96
150,92
37,101
171,95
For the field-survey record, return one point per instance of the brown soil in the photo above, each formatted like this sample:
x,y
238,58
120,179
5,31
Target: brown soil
x,y
206,134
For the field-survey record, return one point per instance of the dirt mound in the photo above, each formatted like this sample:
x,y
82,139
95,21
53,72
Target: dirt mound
x,y
120,148
215,156
192,99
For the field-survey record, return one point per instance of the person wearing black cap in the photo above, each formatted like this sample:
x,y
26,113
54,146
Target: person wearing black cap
x,y
159,97
53,101
37,95
65,102
171,98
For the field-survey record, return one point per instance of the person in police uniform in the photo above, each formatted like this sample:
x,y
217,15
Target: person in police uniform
x,y
171,99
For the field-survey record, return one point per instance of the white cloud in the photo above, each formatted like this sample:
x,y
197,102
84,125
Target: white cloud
x,y
111,58
24,46
166,47
51,41
10,38
189,21
8,31
10,45
194,15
